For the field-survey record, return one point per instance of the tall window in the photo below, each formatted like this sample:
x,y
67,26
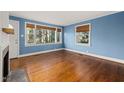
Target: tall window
x,y
83,34
58,35
30,33
38,34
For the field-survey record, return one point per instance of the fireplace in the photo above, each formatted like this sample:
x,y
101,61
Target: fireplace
x,y
5,63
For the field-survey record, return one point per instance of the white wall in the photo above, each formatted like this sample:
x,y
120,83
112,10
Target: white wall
x,y
4,38
4,21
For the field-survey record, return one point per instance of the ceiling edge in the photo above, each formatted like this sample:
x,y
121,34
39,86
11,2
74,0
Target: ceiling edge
x,y
91,18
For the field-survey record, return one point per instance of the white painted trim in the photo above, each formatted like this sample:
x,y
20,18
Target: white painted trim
x,y
25,34
59,37
17,36
98,56
84,53
41,52
34,44
89,44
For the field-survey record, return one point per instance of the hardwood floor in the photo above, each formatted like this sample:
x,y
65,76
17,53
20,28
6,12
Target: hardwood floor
x,y
65,66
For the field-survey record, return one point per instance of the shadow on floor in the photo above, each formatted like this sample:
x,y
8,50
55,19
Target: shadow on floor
x,y
18,75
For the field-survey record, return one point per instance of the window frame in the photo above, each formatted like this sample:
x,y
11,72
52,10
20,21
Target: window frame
x,y
35,44
89,44
25,29
60,35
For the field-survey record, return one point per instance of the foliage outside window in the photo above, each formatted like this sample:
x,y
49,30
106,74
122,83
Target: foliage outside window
x,y
30,33
38,34
58,35
83,34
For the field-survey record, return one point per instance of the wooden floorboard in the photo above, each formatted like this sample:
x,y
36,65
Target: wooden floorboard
x,y
66,66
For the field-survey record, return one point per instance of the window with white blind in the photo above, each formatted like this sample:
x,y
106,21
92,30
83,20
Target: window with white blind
x,y
82,34
39,34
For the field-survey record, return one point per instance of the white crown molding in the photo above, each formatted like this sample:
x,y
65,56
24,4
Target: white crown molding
x,y
98,56
41,52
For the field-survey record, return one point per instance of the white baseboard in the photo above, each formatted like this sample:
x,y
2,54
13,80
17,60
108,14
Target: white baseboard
x,y
98,56
85,53
41,52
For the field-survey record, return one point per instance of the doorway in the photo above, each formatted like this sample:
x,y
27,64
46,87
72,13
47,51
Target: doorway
x,y
14,40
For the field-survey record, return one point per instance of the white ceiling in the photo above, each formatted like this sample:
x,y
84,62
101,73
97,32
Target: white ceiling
x,y
60,17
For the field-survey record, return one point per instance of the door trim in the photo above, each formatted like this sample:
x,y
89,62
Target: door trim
x,y
17,37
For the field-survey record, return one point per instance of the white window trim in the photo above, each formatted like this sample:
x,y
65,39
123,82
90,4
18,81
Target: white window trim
x,y
89,44
28,45
60,35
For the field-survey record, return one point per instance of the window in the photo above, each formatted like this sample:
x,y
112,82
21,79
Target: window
x,y
83,34
58,35
38,34
30,33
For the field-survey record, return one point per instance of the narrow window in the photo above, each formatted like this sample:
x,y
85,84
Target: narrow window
x,y
30,33
58,35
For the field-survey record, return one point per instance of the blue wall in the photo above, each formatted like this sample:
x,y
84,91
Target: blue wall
x,y
25,50
107,36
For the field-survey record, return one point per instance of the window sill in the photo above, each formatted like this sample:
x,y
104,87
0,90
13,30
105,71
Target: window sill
x,y
30,45
87,45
